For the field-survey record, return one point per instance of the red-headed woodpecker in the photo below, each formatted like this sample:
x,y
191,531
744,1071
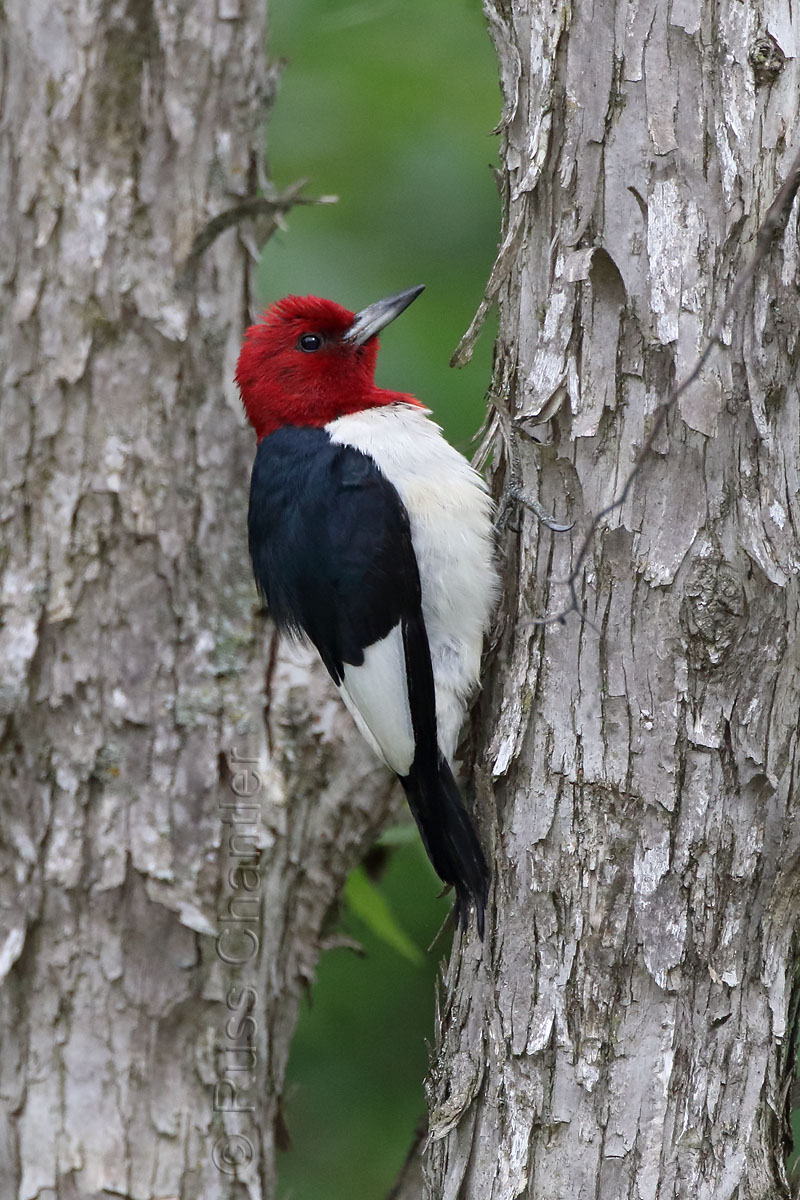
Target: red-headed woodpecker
x,y
372,537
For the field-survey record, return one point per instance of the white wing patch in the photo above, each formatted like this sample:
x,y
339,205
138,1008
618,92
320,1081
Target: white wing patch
x,y
376,693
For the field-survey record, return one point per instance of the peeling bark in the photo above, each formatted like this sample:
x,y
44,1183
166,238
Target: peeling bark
x,y
629,1027
135,674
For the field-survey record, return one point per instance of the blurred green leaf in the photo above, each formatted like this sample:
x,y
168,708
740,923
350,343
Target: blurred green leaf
x,y
367,903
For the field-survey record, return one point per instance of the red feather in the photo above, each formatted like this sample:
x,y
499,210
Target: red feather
x,y
284,385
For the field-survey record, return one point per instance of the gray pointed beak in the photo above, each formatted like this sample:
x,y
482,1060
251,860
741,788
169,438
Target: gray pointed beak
x,y
375,318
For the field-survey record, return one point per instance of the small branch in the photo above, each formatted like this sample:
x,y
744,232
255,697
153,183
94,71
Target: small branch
x,y
497,277
408,1184
774,222
252,208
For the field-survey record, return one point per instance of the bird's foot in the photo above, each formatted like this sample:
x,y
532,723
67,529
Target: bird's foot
x,y
513,494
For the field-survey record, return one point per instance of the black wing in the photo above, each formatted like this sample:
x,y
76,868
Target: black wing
x,y
330,545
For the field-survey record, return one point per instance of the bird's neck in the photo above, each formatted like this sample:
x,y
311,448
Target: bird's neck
x,y
317,407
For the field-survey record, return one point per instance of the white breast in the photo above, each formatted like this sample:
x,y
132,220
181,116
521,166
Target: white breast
x,y
451,526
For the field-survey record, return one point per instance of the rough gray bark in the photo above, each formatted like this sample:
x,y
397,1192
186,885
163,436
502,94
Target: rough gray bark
x,y
628,1027
132,663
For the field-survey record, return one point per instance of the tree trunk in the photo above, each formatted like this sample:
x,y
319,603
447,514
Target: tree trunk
x,y
628,1028
150,976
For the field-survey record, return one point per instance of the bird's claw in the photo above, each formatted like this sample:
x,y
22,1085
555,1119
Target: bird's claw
x,y
515,492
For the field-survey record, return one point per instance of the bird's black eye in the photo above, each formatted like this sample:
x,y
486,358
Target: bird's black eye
x,y
309,342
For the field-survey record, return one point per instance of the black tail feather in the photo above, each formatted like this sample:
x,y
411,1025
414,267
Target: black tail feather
x,y
449,838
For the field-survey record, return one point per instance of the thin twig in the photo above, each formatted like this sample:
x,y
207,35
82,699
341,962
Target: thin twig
x,y
774,221
406,1183
249,209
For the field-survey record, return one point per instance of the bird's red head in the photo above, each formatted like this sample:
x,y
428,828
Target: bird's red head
x,y
309,361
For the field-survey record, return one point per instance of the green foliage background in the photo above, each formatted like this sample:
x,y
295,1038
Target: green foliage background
x,y
388,104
